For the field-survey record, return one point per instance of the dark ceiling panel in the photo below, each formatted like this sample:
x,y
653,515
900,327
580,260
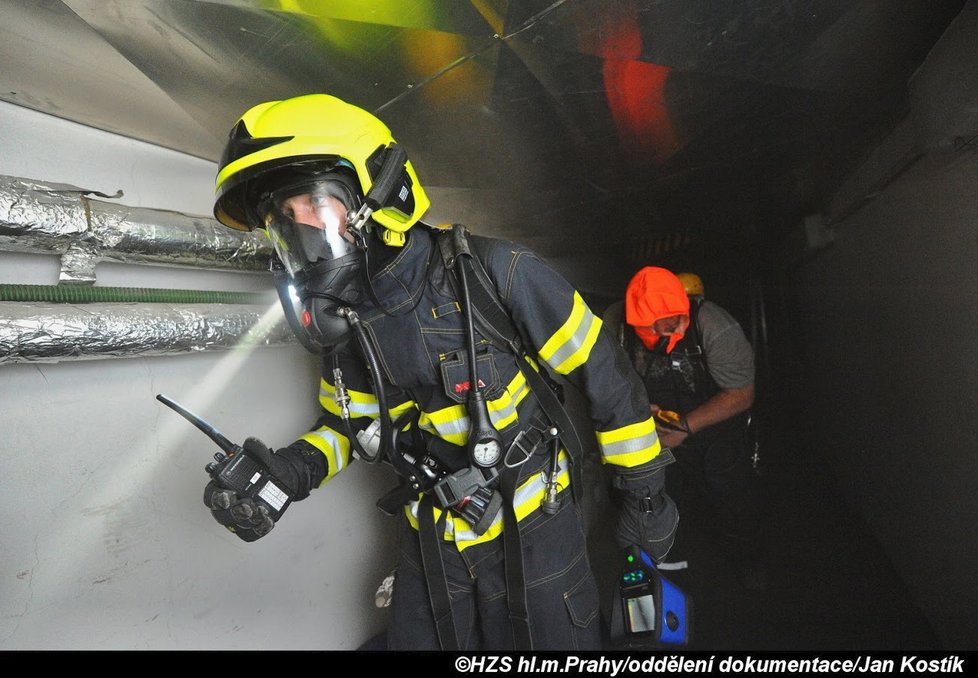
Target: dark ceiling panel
x,y
759,40
571,124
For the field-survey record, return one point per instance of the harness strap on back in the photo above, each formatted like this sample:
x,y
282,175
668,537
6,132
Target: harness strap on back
x,y
694,325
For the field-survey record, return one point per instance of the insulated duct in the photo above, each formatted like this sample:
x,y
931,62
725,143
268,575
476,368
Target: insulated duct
x,y
38,217
47,333
77,320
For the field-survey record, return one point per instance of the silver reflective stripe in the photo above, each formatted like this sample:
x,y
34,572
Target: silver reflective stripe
x,y
333,442
574,342
449,429
629,446
327,397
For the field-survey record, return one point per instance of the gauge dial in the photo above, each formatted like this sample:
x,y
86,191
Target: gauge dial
x,y
486,452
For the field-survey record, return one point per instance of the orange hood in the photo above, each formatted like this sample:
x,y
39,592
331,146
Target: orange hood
x,y
654,293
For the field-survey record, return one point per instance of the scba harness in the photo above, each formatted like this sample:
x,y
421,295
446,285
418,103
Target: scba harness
x,y
479,489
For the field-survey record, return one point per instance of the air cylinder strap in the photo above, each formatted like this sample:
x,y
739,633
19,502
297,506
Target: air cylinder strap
x,y
493,319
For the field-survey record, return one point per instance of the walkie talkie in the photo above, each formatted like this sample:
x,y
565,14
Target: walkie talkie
x,y
235,469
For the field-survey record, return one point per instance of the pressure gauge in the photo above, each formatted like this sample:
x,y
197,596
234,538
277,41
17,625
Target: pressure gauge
x,y
486,452
485,443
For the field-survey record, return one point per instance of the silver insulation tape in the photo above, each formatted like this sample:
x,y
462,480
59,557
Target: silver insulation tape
x,y
38,217
49,333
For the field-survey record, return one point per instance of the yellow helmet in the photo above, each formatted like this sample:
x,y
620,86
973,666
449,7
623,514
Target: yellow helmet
x,y
691,283
314,130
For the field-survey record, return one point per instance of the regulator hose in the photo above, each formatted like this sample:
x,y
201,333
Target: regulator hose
x,y
386,427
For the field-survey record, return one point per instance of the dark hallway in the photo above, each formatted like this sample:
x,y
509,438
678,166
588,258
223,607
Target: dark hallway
x,y
829,584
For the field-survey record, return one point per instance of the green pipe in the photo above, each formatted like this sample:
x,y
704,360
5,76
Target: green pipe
x,y
83,294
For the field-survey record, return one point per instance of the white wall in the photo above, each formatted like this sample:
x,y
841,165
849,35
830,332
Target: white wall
x,y
104,540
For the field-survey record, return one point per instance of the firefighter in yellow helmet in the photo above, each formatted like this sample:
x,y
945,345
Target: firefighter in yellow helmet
x,y
436,348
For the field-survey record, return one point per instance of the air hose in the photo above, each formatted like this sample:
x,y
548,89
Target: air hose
x,y
373,364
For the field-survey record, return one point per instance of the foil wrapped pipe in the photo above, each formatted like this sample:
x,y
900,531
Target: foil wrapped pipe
x,y
39,217
50,333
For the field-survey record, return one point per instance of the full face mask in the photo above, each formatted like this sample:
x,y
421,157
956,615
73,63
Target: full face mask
x,y
320,265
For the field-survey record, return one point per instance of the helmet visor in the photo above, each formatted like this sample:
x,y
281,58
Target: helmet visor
x,y
307,224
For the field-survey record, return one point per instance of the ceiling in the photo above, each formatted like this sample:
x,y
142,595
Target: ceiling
x,y
574,126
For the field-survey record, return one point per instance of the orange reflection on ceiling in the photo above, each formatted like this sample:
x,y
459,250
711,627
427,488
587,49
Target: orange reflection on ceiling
x,y
425,53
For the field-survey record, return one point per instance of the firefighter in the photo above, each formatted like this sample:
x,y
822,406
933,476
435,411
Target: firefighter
x,y
696,362
491,554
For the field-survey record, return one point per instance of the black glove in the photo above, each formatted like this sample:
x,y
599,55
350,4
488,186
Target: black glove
x,y
249,520
647,516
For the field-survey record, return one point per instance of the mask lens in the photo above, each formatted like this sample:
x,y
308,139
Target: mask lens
x,y
668,326
307,224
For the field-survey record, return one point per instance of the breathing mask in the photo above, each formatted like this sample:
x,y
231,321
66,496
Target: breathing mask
x,y
320,263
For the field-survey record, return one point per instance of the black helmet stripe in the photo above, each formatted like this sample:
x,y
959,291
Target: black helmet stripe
x,y
241,143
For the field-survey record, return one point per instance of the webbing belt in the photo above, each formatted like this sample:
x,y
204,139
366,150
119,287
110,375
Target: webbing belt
x,y
430,536
519,614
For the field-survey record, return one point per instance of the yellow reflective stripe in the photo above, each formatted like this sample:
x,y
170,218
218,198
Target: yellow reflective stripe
x,y
636,458
502,410
583,352
630,445
526,500
334,446
361,404
398,410
452,423
571,345
444,416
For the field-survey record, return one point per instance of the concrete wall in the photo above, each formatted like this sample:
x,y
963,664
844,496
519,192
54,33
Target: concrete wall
x,y
887,330
106,543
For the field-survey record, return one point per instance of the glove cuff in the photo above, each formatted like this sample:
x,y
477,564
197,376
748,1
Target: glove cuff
x,y
647,478
301,468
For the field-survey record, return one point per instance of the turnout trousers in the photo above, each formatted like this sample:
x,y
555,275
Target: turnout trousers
x,y
562,596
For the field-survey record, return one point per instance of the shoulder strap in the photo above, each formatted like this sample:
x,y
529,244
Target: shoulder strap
x,y
490,314
694,326
492,317
434,570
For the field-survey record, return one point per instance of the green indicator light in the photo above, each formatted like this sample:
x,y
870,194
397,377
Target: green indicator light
x,y
631,559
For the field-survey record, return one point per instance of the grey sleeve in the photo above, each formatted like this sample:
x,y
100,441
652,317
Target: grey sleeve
x,y
729,355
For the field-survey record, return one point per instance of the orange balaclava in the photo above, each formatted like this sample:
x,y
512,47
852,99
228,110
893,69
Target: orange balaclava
x,y
654,293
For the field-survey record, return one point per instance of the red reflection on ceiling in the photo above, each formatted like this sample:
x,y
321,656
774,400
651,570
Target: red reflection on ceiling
x,y
635,90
